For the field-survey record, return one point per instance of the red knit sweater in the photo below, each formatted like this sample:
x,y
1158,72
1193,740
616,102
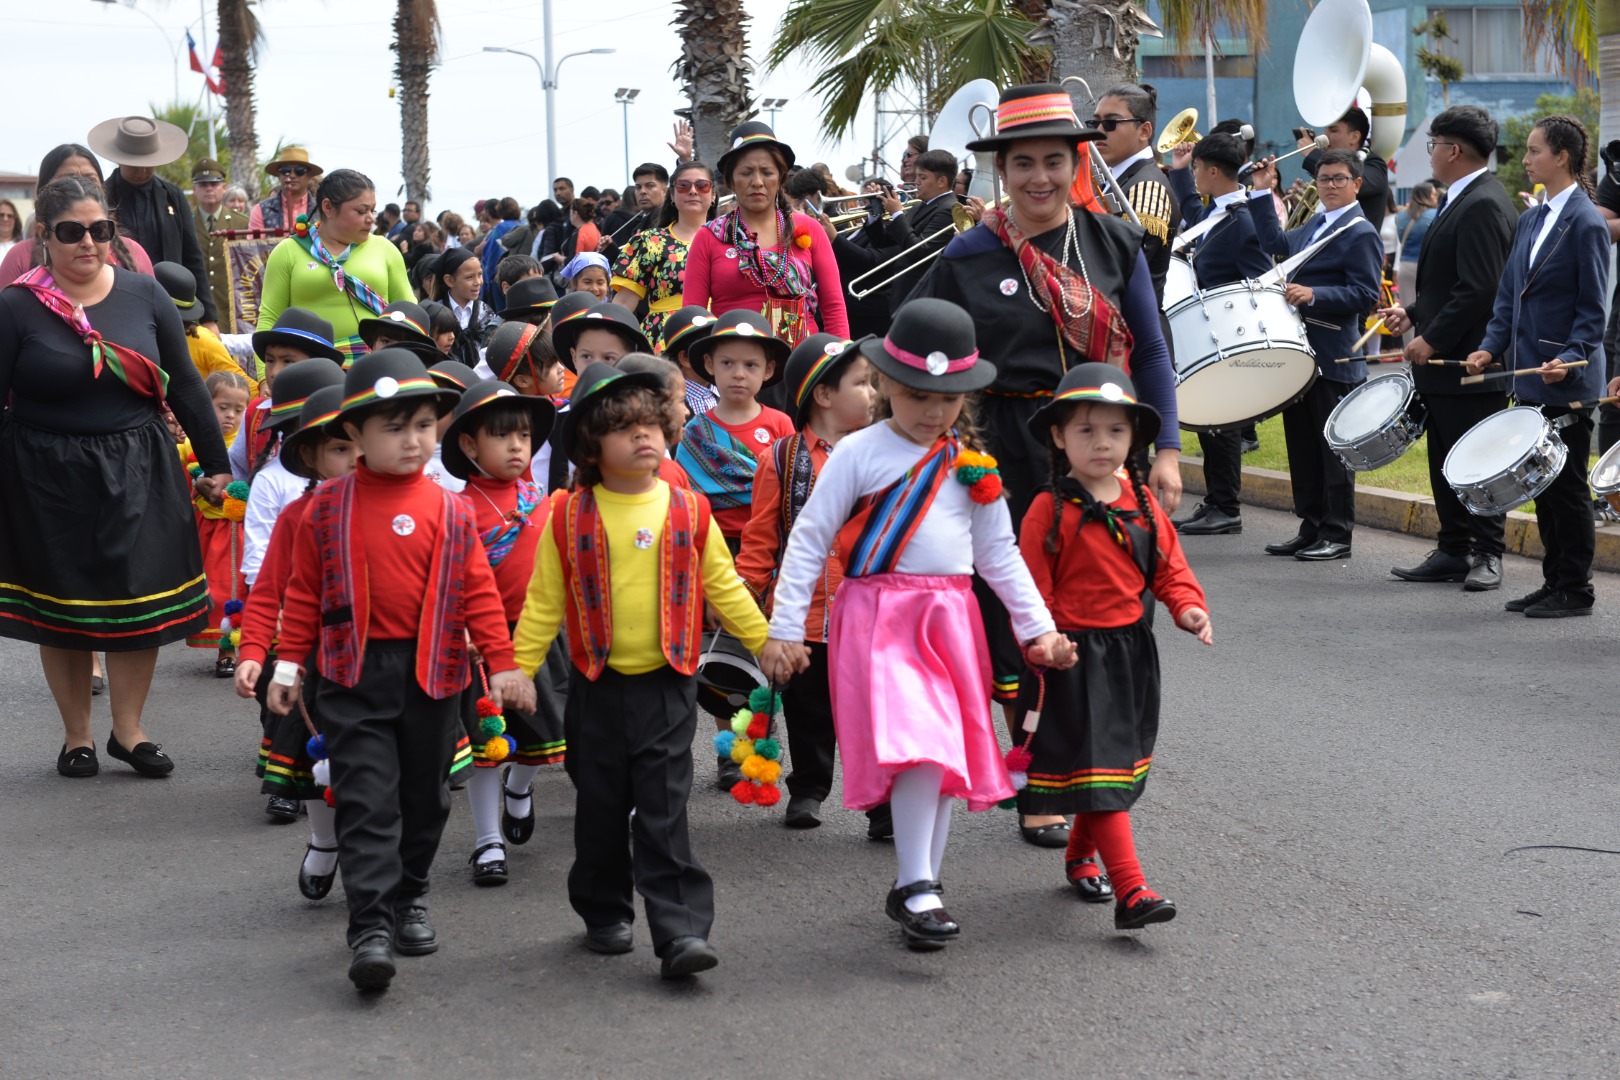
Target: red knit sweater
x,y
263,609
491,502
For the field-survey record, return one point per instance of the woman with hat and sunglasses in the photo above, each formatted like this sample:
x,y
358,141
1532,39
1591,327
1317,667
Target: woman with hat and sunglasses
x,y
295,173
1049,287
761,256
652,264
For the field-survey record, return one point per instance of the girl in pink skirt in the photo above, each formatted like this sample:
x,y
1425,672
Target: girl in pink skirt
x,y
912,511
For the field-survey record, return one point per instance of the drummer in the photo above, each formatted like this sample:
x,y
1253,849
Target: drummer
x,y
1227,252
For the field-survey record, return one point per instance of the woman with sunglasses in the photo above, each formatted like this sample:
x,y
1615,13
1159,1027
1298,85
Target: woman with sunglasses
x,y
71,159
652,264
98,546
295,174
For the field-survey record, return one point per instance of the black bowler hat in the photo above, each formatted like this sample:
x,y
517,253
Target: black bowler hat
x,y
931,348
604,315
302,330
181,285
389,375
510,343
749,136
595,383
739,324
1097,384
528,298
453,375
542,415
808,366
321,409
401,320
1035,111
293,387
684,327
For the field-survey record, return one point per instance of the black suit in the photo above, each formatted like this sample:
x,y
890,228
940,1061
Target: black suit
x,y
158,217
1154,201
1461,262
879,240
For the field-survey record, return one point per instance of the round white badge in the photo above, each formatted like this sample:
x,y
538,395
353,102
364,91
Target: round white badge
x,y
702,320
593,315
1009,286
644,539
397,316
938,363
761,436
731,253
386,387
744,330
505,393
404,525
1110,392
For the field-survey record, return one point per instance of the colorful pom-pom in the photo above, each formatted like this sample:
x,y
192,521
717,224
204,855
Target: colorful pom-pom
x,y
742,750
492,726
237,489
497,749
761,699
323,773
758,727
316,747
987,490
723,741
235,638
234,510
196,472
1020,780
743,791
301,225
225,626
768,770
769,749
975,458
233,607
768,795
970,474
753,766
740,721
1019,759
330,797
487,707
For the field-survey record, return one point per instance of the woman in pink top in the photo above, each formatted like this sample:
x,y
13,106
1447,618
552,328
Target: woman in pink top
x,y
762,256
71,159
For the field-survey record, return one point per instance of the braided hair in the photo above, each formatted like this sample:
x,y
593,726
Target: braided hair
x,y
1568,135
1057,462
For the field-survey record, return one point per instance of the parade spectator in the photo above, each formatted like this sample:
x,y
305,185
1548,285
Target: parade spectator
x,y
652,265
296,173
236,198
11,225
210,217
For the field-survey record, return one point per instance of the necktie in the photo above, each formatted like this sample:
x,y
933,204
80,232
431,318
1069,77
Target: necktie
x,y
1440,206
208,222
1540,219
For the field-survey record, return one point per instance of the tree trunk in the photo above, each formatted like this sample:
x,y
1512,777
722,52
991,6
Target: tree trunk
x,y
1608,31
1097,43
714,71
412,67
236,45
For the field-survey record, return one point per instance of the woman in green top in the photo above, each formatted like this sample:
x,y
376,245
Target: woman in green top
x,y
335,266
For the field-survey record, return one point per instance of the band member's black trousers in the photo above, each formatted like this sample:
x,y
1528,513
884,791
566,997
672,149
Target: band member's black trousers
x,y
1324,489
1223,469
1564,512
1450,416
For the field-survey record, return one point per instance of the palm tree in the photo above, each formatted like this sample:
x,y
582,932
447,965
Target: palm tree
x,y
1584,36
416,51
188,117
240,38
714,70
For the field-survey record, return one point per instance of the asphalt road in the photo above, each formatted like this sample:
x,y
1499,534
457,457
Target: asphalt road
x,y
1335,787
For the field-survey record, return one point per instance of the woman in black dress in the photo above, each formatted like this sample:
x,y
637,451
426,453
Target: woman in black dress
x,y
98,546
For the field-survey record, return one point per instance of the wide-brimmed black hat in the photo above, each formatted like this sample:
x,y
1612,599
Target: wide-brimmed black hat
x,y
181,285
603,315
453,375
302,330
542,415
293,388
596,382
807,367
748,136
401,320
684,327
320,410
1035,111
527,298
739,324
510,343
389,375
1097,384
931,347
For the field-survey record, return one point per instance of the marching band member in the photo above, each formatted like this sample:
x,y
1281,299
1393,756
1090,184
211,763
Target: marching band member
x,y
1127,116
1350,133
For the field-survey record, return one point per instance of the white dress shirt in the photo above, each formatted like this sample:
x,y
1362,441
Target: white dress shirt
x,y
1460,186
1144,154
1555,206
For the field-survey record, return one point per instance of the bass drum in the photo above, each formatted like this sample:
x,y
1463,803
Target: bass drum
x,y
1606,477
1180,282
726,674
1241,356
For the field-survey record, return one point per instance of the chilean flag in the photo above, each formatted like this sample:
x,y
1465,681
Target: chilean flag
x,y
216,85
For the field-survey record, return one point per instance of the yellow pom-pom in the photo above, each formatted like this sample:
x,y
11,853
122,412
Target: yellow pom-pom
x,y
742,750
751,767
740,721
496,749
768,771
975,459
235,638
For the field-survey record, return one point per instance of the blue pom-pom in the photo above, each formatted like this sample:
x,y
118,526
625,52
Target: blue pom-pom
x,y
511,745
232,607
316,748
723,741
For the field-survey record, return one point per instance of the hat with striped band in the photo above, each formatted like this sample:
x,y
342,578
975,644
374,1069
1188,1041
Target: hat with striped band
x,y
810,363
453,375
601,315
542,415
400,321
529,298
1097,384
322,409
596,383
293,387
1035,111
740,324
931,347
683,327
392,375
302,330
751,136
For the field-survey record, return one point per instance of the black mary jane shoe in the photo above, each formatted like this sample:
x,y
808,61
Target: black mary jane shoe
x,y
925,931
225,666
78,762
492,872
282,810
612,940
315,886
413,934
1092,888
1133,914
1055,835
517,830
372,967
146,758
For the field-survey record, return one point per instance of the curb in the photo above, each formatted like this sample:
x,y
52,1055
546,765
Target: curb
x,y
1396,511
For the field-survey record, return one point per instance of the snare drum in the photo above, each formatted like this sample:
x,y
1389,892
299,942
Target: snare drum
x,y
1504,461
1376,422
1241,356
1606,477
1180,282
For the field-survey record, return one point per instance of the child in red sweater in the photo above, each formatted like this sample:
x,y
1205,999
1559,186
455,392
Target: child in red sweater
x,y
489,445
393,659
1094,546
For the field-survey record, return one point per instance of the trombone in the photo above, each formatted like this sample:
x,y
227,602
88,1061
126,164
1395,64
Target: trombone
x,y
960,222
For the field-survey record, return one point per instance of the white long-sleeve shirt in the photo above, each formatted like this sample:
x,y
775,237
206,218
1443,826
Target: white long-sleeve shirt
x,y
956,536
274,488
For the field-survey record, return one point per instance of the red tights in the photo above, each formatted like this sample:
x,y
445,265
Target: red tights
x,y
1107,833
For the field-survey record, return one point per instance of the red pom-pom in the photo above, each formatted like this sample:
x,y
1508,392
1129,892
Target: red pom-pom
x,y
758,727
1019,759
743,791
331,799
987,489
768,795
487,707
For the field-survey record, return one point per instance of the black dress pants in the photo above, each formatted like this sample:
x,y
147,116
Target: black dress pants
x,y
1450,417
1223,469
389,745
1564,512
1324,489
1025,468
807,715
630,747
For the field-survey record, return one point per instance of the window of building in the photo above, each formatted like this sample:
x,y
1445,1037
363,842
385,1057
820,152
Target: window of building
x,y
1490,41
1184,67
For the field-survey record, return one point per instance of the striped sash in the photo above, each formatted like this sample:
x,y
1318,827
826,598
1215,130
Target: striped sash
x,y
885,521
720,467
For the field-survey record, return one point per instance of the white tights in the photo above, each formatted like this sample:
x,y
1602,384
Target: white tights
x,y
922,822
322,834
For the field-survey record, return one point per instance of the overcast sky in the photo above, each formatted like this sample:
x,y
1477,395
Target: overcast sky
x,y
323,81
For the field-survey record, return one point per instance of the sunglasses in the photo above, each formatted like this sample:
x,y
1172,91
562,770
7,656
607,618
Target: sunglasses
x,y
1111,122
294,170
702,187
71,232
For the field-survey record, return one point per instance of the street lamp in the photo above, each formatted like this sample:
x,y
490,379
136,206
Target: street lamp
x,y
174,47
773,105
548,83
626,97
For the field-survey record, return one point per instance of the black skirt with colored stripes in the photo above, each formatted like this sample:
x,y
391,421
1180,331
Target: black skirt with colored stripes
x,y
1099,721
98,544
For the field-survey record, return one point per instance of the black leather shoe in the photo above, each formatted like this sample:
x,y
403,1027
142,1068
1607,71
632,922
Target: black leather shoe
x,y
281,809
147,758
1289,547
315,886
1094,888
1208,521
1438,566
1560,605
491,872
1135,914
880,823
609,940
1055,835
1323,551
685,956
78,762
1484,573
1249,445
413,934
517,830
373,965
726,774
225,666
925,930
1527,599
802,812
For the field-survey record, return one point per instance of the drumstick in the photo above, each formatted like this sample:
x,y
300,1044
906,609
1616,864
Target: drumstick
x,y
1375,358
1364,338
1594,404
1470,380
